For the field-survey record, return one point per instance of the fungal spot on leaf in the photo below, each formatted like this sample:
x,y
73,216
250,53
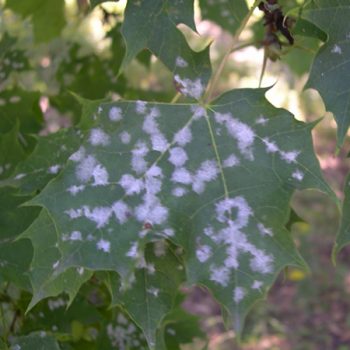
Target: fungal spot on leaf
x,y
238,294
115,114
103,245
188,87
337,50
298,175
99,138
180,62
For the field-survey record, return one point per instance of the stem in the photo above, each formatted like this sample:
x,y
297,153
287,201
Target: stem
x,y
213,82
263,68
244,45
175,98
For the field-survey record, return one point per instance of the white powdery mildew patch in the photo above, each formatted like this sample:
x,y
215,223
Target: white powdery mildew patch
x,y
257,284
198,112
115,114
78,155
121,211
74,213
188,87
150,127
178,156
183,136
179,191
182,176
133,252
231,161
265,231
169,232
261,262
125,137
203,253
100,176
261,120
73,190
104,245
56,304
224,208
138,163
220,275
337,50
131,185
141,107
241,132
271,146
54,169
99,215
75,236
290,157
153,291
298,175
180,62
238,294
151,210
86,168
99,138
207,172
236,241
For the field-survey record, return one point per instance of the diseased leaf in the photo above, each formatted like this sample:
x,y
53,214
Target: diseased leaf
x,y
11,152
152,25
44,279
53,315
46,161
15,256
20,106
178,328
343,237
11,59
47,16
120,332
35,341
227,14
154,288
330,71
217,182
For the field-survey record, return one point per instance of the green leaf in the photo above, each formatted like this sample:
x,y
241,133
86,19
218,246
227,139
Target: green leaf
x,y
120,332
44,279
47,16
227,14
53,315
15,256
11,152
217,182
11,59
35,341
20,106
152,25
343,237
90,76
179,328
154,289
331,66
308,29
46,161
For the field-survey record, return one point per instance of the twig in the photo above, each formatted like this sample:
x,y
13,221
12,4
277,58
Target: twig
x,y
213,82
